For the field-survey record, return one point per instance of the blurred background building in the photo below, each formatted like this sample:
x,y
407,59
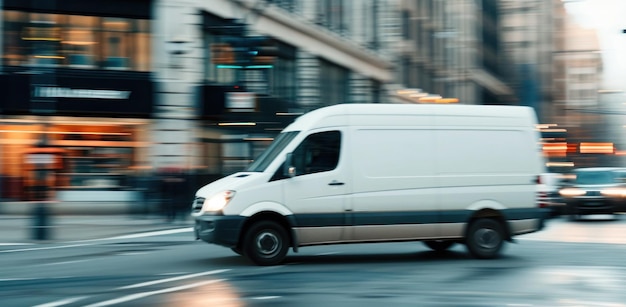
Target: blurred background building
x,y
101,93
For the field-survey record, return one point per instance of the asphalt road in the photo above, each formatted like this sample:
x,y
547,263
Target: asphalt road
x,y
561,266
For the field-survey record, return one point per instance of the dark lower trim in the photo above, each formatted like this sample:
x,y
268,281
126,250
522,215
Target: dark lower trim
x,y
219,229
405,217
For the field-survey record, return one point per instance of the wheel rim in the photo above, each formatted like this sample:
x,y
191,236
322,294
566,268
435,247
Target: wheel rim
x,y
487,238
268,244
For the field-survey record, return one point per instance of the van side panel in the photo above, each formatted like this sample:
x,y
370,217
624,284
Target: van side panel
x,y
486,167
394,194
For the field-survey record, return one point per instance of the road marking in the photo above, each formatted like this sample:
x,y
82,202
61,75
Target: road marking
x,y
91,242
265,297
14,244
160,281
172,273
16,279
42,248
137,296
65,262
63,302
142,234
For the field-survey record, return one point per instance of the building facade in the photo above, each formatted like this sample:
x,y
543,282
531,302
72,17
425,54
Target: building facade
x,y
78,96
102,91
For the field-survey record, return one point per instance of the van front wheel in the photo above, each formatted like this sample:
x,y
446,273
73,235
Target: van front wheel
x,y
485,238
266,243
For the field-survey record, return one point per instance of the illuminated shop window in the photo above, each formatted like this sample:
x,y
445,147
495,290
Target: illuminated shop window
x,y
73,41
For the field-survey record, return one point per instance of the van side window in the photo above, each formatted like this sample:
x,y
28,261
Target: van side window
x,y
319,152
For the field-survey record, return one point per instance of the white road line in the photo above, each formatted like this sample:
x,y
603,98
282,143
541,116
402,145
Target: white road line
x,y
42,248
14,244
90,242
172,273
137,296
63,302
142,235
16,279
160,281
265,297
65,262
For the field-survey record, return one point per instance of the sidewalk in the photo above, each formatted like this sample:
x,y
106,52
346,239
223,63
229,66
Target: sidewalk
x,y
21,229
21,222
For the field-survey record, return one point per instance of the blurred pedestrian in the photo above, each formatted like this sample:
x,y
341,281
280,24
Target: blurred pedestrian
x,y
174,190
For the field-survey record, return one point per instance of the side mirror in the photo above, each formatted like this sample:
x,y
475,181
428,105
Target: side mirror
x,y
289,170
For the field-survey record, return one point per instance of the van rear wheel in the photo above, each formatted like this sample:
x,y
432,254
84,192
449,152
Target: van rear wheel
x,y
439,245
266,243
485,238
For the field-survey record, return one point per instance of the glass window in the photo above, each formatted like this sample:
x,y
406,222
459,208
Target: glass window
x,y
319,152
334,82
266,158
79,42
115,43
82,42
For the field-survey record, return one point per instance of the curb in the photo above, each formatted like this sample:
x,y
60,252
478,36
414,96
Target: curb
x,y
78,208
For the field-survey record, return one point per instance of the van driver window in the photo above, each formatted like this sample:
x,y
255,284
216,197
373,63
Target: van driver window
x,y
319,152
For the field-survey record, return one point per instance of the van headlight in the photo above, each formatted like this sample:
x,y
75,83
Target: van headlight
x,y
572,192
218,201
614,192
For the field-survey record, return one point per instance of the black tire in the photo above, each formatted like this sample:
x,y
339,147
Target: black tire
x,y
439,245
266,243
237,250
485,238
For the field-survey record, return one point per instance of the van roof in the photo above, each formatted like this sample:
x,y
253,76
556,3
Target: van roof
x,y
309,119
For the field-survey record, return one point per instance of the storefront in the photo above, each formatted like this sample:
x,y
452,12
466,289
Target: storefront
x,y
93,138
77,98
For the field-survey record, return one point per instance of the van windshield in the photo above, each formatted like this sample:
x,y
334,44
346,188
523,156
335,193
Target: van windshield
x,y
264,160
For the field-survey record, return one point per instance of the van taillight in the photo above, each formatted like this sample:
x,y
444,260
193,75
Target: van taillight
x,y
542,200
538,179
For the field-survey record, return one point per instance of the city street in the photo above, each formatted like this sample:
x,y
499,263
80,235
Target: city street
x,y
568,264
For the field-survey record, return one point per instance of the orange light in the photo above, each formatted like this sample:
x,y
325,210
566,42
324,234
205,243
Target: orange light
x,y
604,148
555,149
447,100
572,147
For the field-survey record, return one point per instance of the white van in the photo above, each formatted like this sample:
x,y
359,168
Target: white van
x,y
356,173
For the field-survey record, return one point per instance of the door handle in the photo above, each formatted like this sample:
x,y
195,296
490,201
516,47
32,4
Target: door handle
x,y
335,182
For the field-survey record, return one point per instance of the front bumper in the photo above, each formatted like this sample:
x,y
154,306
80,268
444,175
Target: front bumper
x,y
219,229
591,206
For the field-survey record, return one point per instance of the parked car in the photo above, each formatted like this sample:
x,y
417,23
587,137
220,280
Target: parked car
x,y
594,190
548,196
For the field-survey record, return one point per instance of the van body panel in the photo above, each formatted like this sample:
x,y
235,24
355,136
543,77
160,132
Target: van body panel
x,y
319,235
519,227
392,172
266,206
393,232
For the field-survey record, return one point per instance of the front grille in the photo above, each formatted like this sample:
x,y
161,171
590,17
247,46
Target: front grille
x,y
196,206
593,193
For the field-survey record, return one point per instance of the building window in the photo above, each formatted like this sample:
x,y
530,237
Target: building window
x,y
334,83
73,41
331,14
